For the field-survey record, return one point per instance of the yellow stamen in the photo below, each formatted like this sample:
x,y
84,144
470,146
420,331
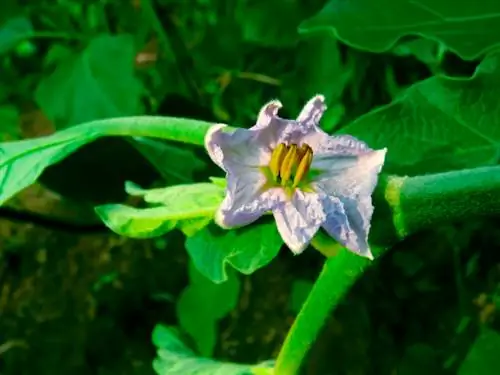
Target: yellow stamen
x,y
304,164
289,162
277,157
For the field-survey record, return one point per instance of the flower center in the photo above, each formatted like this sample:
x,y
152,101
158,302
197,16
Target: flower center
x,y
290,163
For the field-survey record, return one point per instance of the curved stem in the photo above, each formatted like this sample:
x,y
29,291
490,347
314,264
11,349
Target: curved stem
x,y
337,276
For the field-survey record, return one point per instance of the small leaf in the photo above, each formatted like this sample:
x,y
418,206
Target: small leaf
x,y
187,207
483,356
22,162
202,304
13,32
175,358
438,124
246,249
97,83
467,28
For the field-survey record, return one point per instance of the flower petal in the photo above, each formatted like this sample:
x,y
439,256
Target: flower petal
x,y
348,222
324,145
352,179
312,112
299,219
234,147
245,199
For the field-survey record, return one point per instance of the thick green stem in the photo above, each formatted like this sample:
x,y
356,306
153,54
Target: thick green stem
x,y
338,274
414,203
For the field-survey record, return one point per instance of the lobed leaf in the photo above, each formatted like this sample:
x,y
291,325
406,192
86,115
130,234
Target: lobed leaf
x,y
186,207
467,28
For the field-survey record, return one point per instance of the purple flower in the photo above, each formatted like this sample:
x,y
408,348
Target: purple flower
x,y
305,177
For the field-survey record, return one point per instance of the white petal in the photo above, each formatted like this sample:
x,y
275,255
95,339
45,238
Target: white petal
x,y
311,113
299,219
245,199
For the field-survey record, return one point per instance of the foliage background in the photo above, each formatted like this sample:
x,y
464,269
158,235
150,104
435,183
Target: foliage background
x,y
76,299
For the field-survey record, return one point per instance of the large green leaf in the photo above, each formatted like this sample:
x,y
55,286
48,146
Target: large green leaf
x,y
175,358
99,82
246,249
22,162
483,357
202,304
187,207
439,124
468,28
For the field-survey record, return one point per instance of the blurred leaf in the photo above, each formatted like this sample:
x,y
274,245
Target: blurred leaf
x,y
99,82
175,358
14,31
270,23
246,249
467,28
202,304
22,162
438,124
9,123
419,359
300,291
483,357
187,207
175,164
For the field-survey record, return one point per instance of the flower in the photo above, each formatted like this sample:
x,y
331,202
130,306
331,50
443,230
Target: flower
x,y
305,177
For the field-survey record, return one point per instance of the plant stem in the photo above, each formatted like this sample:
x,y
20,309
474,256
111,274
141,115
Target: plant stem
x,y
337,276
414,204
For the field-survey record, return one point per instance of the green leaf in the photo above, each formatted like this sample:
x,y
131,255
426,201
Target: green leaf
x,y
483,357
175,358
300,291
427,51
175,164
202,304
22,162
187,207
99,82
13,32
467,28
246,249
438,124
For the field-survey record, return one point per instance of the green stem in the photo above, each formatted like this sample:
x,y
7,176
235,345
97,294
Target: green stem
x,y
337,276
413,203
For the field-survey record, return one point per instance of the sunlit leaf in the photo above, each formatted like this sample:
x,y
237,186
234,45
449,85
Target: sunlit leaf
x,y
483,356
187,207
99,82
439,124
246,249
14,31
22,162
175,358
467,28
202,304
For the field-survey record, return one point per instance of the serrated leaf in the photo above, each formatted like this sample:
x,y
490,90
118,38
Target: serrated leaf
x,y
469,29
22,162
246,249
175,358
13,32
99,82
202,304
438,124
187,207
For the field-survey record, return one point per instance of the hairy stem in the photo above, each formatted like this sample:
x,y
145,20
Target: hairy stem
x,y
414,203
